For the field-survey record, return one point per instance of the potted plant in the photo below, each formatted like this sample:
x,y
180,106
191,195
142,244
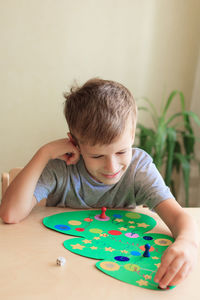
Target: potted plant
x,y
171,140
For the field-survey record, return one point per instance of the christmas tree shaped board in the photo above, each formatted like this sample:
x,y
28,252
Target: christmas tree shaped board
x,y
118,240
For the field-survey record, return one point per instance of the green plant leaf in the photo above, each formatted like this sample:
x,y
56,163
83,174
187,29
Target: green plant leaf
x,y
160,144
172,186
143,108
185,164
146,139
171,98
152,115
172,147
188,142
171,141
193,116
153,109
184,114
176,162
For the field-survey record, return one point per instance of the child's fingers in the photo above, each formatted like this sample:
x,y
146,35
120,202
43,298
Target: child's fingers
x,y
181,275
176,263
72,158
166,260
171,272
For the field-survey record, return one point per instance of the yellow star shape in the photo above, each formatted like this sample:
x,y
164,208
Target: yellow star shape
x,y
147,276
157,265
142,225
87,241
78,246
142,282
123,228
104,234
110,249
96,238
119,220
131,226
93,248
155,257
124,251
131,222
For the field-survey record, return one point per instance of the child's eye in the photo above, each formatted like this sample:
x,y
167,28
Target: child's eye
x,y
121,152
97,156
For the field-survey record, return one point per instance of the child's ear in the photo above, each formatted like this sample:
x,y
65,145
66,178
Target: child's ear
x,y
72,140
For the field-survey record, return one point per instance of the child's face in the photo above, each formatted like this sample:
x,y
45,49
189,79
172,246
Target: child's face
x,y
107,163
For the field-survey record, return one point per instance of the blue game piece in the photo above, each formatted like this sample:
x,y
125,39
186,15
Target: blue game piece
x,y
146,252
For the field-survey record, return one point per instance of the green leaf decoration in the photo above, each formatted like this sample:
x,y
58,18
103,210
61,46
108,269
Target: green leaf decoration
x,y
118,242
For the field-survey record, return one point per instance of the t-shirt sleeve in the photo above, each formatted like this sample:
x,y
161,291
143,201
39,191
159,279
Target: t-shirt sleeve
x,y
50,180
150,188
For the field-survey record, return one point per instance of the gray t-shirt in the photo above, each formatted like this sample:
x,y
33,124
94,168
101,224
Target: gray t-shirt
x,y
72,186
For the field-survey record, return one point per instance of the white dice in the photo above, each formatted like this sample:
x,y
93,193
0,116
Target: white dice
x,y
60,261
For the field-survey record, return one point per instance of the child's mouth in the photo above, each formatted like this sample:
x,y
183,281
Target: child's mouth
x,y
110,176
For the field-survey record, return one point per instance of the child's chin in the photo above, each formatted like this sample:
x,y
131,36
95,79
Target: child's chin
x,y
110,181
106,180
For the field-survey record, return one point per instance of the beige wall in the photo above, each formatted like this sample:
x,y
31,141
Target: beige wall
x,y
150,46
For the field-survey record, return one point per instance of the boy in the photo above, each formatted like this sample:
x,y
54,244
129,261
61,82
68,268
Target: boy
x,y
96,166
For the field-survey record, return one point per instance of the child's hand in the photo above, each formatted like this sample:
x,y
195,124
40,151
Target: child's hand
x,y
176,263
63,149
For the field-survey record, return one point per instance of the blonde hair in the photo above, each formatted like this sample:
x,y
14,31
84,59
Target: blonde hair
x,y
97,112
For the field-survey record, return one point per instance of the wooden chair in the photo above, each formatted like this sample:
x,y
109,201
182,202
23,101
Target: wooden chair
x,y
6,179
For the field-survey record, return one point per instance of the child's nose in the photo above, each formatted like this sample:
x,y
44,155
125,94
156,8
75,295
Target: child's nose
x,y
111,165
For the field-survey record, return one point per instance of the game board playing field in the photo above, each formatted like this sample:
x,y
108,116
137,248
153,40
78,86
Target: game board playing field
x,y
118,239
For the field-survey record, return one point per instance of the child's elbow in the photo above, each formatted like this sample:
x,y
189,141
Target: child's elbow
x,y
8,220
9,217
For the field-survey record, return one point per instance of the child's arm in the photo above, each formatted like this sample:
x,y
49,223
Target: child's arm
x,y
178,260
18,200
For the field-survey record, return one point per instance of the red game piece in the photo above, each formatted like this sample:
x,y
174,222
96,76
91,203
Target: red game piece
x,y
103,215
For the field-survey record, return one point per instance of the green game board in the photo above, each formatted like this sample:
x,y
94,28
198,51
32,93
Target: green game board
x,y
118,242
